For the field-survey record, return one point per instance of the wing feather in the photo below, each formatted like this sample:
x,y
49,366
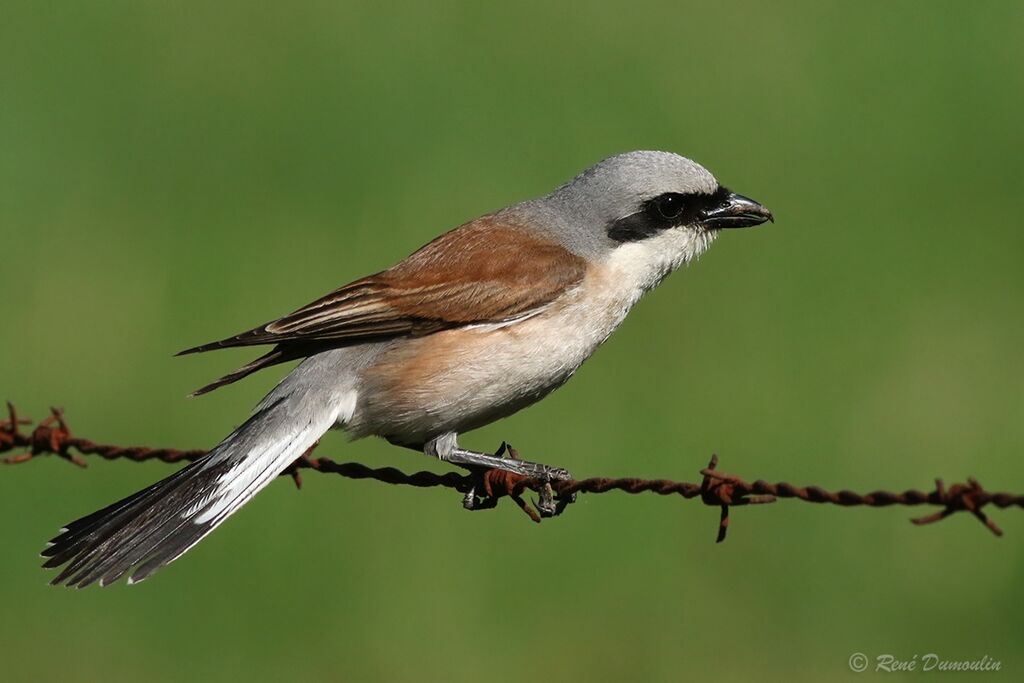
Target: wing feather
x,y
489,270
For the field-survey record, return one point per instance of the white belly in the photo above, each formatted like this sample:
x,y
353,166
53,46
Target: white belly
x,y
458,380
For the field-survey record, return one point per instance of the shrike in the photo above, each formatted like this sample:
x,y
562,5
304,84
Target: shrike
x,y
483,321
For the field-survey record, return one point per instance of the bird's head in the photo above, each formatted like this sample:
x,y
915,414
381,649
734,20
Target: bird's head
x,y
656,207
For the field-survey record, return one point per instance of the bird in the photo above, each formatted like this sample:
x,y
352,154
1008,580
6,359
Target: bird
x,y
479,323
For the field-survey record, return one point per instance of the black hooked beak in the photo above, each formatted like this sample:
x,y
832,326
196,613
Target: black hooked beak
x,y
735,211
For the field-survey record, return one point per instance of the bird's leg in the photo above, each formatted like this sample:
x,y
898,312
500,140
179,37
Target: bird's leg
x,y
445,447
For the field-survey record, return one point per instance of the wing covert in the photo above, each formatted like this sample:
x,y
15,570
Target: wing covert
x,y
484,271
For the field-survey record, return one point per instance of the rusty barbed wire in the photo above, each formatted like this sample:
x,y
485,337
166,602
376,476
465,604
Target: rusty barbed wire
x,y
483,489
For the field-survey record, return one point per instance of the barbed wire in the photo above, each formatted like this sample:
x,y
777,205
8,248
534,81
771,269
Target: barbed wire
x,y
483,489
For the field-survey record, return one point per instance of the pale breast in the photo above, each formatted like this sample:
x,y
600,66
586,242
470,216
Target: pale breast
x,y
457,380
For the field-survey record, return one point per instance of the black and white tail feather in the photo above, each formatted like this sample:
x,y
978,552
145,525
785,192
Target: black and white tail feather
x,y
152,528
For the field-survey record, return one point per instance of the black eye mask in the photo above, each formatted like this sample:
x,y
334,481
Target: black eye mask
x,y
665,211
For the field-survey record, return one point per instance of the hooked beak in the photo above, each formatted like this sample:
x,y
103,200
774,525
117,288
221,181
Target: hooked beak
x,y
735,211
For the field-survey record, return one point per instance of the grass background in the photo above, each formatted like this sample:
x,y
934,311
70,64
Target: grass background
x,y
175,172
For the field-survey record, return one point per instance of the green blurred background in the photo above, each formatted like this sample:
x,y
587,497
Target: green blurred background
x,y
171,173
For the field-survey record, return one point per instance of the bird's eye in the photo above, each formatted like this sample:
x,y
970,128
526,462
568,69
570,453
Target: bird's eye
x,y
670,205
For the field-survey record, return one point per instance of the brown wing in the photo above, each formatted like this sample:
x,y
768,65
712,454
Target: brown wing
x,y
484,271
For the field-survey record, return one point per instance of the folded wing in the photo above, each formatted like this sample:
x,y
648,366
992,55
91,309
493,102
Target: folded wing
x,y
486,271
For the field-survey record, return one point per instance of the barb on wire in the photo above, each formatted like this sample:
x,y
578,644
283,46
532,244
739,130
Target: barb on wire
x,y
483,489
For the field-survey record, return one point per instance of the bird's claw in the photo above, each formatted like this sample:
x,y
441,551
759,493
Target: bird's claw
x,y
492,483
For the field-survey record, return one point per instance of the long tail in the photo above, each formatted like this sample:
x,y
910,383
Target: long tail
x,y
155,526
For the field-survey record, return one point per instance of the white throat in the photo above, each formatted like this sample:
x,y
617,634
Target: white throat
x,y
641,266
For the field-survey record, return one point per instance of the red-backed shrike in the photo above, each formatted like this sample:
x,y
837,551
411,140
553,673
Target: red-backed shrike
x,y
483,321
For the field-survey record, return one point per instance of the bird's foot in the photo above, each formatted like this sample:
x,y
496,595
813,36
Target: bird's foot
x,y
512,463
505,474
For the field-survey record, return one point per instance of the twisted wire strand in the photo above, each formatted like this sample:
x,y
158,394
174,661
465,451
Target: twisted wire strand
x,y
483,489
